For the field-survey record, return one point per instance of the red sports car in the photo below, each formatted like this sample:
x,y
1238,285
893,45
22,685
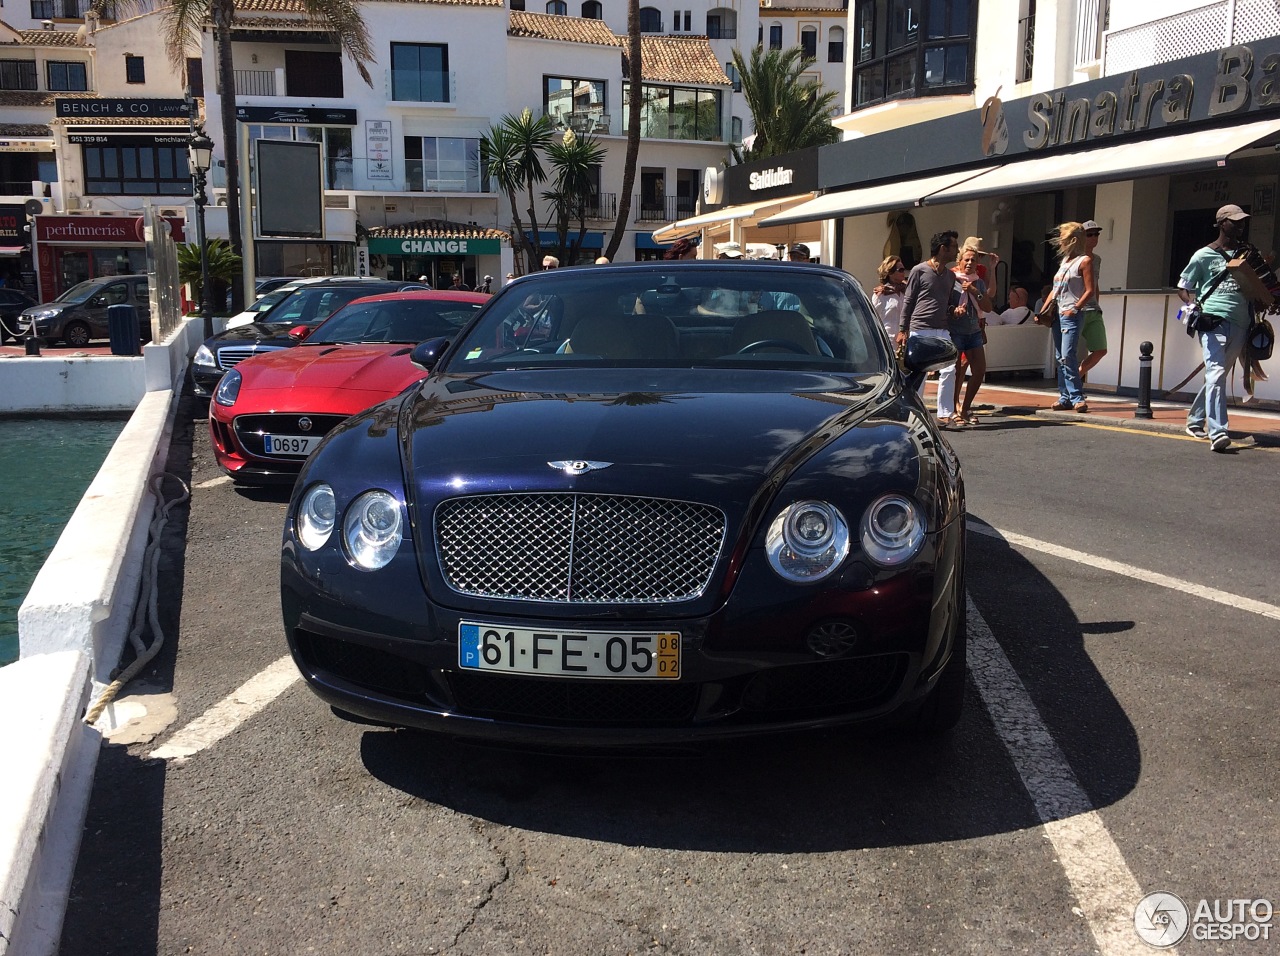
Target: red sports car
x,y
270,411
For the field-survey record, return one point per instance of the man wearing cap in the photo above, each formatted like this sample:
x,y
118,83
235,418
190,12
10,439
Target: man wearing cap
x,y
1206,280
799,253
1093,331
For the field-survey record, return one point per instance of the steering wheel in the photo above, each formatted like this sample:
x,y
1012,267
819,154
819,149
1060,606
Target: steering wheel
x,y
772,343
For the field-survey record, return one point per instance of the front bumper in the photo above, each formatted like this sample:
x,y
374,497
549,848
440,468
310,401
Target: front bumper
x,y
749,668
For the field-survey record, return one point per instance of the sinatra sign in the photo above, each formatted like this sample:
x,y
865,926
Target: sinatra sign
x,y
779,176
435,247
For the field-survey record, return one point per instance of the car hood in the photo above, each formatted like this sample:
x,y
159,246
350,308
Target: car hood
x,y
334,378
711,434
255,333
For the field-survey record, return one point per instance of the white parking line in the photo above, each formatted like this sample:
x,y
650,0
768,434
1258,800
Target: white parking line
x,y
211,482
1100,879
1128,570
230,712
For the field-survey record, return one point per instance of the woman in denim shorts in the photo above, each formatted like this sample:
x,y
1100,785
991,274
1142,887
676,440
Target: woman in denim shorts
x,y
968,302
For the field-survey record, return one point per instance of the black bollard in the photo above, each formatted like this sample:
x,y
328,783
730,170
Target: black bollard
x,y
33,345
1144,380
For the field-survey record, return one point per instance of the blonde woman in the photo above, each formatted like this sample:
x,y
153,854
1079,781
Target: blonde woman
x,y
1075,289
966,330
974,244
886,298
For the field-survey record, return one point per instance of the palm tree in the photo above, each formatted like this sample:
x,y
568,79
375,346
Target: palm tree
x,y
183,24
512,153
225,267
635,94
576,160
788,114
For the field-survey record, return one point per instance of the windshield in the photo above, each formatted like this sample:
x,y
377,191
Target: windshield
x,y
268,301
80,291
756,315
394,320
311,305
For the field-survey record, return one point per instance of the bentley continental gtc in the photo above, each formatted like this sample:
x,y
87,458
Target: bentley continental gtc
x,y
642,504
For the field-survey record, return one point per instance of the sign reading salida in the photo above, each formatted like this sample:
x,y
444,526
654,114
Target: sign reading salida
x,y
779,176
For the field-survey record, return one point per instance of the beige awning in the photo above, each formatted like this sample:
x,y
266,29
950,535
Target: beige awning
x,y
1168,154
743,211
868,199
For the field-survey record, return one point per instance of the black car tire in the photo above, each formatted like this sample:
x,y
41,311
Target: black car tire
x,y
941,710
76,334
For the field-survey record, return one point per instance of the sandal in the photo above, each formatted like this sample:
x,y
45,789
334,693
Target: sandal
x,y
1061,406
1082,407
947,422
969,419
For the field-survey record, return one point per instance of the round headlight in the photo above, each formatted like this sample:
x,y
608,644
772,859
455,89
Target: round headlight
x,y
373,529
807,541
228,389
317,514
203,356
892,530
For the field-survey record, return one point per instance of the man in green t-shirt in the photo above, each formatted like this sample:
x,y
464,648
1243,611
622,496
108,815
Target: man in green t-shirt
x,y
1226,302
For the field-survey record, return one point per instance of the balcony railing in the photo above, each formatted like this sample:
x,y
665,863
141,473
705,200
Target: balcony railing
x,y
1202,30
722,33
1027,36
667,209
1091,21
602,206
255,82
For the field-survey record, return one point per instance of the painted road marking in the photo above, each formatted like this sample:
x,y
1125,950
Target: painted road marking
x,y
221,479
230,712
1100,879
1129,571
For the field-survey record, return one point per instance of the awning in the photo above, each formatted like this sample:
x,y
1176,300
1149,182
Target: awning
x,y
1168,154
742,211
855,202
11,250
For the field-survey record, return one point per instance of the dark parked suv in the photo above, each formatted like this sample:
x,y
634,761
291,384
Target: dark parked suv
x,y
307,305
80,313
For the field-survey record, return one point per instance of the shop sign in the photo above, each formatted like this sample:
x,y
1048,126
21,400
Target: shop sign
x,y
26,146
1236,83
112,107
130,139
13,221
435,247
377,147
775,178
779,176
295,114
98,230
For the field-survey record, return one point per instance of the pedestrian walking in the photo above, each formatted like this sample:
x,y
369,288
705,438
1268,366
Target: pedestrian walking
x,y
886,298
1093,330
487,286
967,331
1074,289
1221,329
926,311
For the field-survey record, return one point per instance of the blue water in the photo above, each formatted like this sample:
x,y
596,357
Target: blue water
x,y
45,467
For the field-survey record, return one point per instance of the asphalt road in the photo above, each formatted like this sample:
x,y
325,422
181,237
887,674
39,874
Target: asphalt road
x,y
1120,739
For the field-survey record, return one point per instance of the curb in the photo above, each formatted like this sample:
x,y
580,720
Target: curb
x,y
1240,437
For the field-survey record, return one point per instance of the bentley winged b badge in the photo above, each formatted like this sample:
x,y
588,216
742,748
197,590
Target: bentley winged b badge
x,y
579,467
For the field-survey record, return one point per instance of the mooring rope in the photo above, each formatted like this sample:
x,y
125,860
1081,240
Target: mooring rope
x,y
148,597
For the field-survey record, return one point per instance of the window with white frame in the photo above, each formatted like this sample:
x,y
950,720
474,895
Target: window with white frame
x,y
443,164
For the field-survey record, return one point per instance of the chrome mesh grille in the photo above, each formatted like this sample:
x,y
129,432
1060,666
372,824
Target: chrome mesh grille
x,y
232,355
578,549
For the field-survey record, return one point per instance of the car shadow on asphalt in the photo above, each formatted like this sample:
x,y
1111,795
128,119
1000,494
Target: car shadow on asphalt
x,y
827,791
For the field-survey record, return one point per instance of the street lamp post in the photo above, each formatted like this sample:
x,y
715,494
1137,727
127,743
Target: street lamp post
x,y
200,155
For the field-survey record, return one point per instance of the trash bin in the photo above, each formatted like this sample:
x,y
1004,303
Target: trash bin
x,y
122,327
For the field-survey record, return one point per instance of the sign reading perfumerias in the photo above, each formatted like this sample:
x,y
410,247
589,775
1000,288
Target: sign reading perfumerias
x,y
435,247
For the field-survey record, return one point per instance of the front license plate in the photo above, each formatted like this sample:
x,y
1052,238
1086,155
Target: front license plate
x,y
522,650
289,444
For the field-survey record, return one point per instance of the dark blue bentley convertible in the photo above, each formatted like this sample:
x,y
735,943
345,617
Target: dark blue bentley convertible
x,y
640,504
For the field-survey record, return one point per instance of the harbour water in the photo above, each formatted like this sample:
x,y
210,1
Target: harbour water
x,y
45,467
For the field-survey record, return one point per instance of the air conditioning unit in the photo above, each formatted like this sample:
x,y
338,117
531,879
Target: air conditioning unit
x,y
171,213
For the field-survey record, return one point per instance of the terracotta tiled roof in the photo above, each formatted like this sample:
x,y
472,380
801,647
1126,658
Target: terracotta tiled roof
x,y
39,97
295,6
25,130
170,122
436,229
50,38
545,26
685,59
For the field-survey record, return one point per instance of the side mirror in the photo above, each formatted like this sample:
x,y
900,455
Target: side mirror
x,y
426,354
299,332
925,353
